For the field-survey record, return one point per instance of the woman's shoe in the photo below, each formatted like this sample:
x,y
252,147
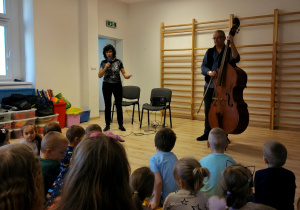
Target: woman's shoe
x,y
121,127
106,128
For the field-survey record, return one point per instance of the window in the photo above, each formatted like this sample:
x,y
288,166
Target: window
x,y
2,6
4,53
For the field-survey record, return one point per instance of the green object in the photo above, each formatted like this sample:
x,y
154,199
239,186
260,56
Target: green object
x,y
60,96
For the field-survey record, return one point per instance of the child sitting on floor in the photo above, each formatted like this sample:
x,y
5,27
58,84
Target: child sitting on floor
x,y
74,134
98,177
95,128
236,190
54,145
275,185
51,126
92,129
189,176
162,164
31,137
4,137
21,178
141,184
216,162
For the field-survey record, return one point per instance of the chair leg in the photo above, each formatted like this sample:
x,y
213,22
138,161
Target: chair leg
x,y
170,116
164,125
148,118
112,114
141,118
133,114
139,112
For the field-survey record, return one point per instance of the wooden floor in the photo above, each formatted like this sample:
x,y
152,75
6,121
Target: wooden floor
x,y
245,148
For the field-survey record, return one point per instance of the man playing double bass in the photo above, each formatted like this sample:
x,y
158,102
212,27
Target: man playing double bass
x,y
210,64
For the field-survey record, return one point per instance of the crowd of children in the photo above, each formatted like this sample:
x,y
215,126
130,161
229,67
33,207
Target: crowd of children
x,y
88,169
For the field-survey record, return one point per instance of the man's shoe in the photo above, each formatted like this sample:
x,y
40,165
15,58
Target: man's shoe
x,y
106,128
204,137
121,127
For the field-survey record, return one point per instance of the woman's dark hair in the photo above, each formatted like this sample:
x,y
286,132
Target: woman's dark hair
x,y
98,177
107,48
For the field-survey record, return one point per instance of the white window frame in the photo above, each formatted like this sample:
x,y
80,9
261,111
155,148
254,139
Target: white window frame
x,y
5,21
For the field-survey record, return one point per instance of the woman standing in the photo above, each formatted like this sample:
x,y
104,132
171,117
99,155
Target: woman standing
x,y
110,68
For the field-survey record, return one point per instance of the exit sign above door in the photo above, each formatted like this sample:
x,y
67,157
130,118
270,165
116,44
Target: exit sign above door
x,y
111,24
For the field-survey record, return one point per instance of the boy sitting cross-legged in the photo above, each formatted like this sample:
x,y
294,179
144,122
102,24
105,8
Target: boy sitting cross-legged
x,y
161,164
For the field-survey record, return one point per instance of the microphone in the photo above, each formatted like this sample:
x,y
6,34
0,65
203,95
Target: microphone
x,y
109,60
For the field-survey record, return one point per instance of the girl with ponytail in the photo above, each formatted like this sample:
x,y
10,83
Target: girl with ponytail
x,y
236,185
141,184
189,176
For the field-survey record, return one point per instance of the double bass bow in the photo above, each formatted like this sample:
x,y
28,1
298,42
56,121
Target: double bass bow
x,y
228,109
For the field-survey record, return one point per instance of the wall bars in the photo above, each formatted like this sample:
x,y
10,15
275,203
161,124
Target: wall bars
x,y
269,47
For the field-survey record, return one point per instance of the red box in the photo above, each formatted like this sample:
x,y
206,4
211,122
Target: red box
x,y
60,109
40,128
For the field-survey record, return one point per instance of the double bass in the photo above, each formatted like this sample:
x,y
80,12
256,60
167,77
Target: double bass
x,y
228,109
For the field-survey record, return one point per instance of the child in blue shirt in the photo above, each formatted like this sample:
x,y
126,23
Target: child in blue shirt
x,y
74,134
161,164
215,162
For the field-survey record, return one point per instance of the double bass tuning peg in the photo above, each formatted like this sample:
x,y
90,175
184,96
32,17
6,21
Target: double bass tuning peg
x,y
238,30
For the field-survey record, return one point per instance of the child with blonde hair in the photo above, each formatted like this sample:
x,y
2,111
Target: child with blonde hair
x,y
189,176
31,137
141,184
268,190
215,162
54,145
21,178
4,137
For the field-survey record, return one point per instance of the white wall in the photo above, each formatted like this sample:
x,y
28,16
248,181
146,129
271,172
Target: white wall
x,y
65,49
66,34
56,43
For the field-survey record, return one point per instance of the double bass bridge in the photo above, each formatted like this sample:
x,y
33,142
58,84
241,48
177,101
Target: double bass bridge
x,y
223,99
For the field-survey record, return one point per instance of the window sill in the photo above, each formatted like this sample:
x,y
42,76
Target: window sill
x,y
4,85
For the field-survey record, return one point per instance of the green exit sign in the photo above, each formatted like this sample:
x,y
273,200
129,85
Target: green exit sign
x,y
111,24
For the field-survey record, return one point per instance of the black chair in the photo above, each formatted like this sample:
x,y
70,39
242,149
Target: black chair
x,y
158,92
131,94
